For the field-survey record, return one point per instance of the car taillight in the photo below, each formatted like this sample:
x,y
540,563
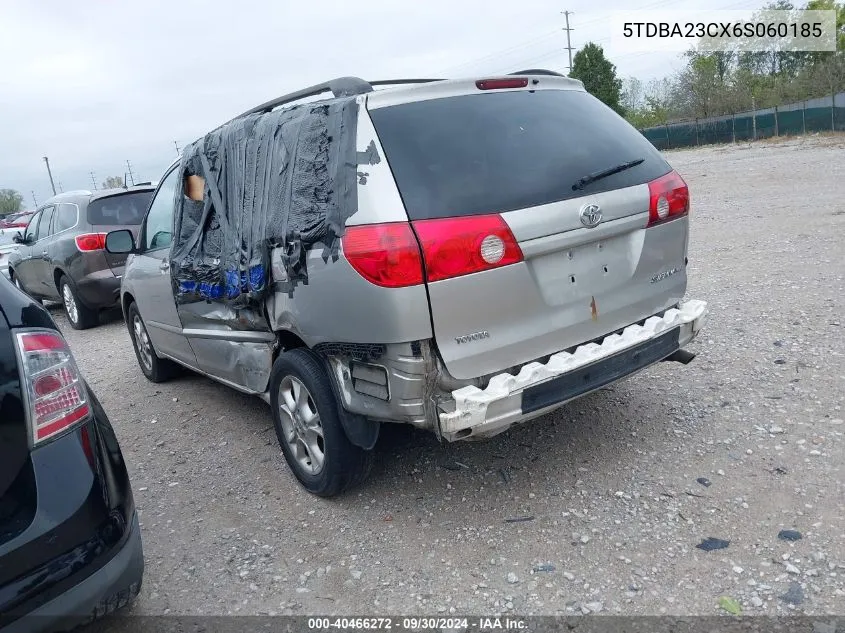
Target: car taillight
x,y
91,242
459,246
384,254
669,198
498,84
56,396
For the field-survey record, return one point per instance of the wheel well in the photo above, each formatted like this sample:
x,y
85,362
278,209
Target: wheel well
x,y
125,302
57,274
287,341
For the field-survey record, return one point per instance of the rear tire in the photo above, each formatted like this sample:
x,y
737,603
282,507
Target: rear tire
x,y
155,369
78,315
308,426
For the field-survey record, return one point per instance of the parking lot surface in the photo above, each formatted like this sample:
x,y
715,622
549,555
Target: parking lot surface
x,y
597,508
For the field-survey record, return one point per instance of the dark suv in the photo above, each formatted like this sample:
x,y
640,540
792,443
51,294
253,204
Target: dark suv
x,y
62,255
70,542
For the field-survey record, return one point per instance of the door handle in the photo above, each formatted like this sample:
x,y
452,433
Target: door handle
x,y
165,266
43,253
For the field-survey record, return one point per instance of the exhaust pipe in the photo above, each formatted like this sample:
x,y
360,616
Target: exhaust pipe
x,y
680,356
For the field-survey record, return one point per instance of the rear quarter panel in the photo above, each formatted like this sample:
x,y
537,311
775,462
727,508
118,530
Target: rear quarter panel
x,y
337,304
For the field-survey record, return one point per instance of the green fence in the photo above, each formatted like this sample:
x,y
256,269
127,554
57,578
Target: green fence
x,y
814,115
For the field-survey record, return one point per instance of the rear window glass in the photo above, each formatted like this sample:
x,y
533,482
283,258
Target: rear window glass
x,y
497,152
121,210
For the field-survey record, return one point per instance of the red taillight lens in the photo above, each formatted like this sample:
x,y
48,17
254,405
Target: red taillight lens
x,y
56,396
669,198
459,246
498,84
384,254
91,242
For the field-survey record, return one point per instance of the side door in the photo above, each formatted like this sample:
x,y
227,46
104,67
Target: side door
x,y
42,271
62,249
149,275
25,267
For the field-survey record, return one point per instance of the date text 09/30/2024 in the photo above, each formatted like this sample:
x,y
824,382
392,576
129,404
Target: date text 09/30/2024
x,y
417,623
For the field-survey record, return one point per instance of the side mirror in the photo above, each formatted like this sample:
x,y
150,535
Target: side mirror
x,y
18,238
120,242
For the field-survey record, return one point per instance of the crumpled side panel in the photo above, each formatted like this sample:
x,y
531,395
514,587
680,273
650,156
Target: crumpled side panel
x,y
285,178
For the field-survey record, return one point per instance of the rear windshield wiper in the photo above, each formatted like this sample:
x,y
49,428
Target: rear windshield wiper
x,y
604,173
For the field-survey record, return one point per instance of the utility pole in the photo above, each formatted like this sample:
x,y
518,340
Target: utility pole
x,y
35,200
568,41
131,175
178,151
50,173
61,190
93,180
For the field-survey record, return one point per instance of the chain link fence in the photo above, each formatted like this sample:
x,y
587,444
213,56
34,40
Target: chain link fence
x,y
823,114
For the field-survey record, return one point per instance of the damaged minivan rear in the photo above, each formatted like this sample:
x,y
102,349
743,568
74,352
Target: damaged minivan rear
x,y
458,255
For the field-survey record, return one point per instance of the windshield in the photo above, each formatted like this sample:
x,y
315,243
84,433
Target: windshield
x,y
124,209
495,152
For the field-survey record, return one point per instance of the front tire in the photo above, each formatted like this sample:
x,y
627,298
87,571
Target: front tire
x,y
78,315
308,426
155,369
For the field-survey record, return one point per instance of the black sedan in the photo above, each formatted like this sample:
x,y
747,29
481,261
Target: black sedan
x,y
70,544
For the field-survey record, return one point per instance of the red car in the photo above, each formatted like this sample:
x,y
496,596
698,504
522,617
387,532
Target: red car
x,y
16,220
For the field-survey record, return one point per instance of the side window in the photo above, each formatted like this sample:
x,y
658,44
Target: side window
x,y
29,234
158,229
65,217
44,225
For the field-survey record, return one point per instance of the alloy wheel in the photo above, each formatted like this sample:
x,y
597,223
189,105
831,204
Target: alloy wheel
x,y
70,304
142,340
301,423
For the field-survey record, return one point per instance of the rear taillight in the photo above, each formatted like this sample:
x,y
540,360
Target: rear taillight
x,y
669,198
499,84
55,394
459,246
384,254
91,242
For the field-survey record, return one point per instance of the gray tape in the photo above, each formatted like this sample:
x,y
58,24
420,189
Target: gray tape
x,y
286,178
369,156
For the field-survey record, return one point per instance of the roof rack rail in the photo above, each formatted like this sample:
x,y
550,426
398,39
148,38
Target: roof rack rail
x,y
538,71
339,87
401,82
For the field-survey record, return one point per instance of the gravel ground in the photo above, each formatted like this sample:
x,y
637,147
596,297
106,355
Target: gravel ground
x,y
610,486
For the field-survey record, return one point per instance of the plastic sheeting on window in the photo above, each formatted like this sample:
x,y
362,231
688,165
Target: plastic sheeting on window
x,y
285,178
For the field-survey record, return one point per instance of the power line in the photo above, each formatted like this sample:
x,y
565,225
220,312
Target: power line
x,y
743,4
499,53
531,61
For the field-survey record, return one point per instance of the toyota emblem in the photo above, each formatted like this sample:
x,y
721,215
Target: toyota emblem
x,y
590,215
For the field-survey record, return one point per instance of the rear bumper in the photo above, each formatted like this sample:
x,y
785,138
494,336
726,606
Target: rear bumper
x,y
111,587
540,388
100,289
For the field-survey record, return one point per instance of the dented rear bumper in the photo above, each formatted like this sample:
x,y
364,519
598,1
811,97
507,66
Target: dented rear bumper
x,y
539,388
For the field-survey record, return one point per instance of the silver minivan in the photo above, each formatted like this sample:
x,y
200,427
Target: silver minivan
x,y
458,255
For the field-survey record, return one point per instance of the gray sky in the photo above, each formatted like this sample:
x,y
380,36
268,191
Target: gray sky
x,y
93,83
